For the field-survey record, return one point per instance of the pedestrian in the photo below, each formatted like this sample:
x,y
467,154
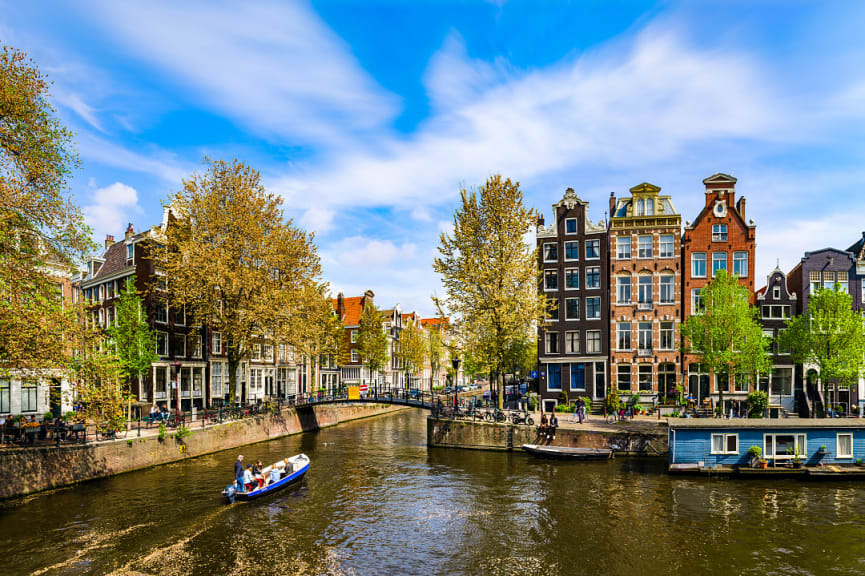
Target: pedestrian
x,y
542,428
238,472
554,423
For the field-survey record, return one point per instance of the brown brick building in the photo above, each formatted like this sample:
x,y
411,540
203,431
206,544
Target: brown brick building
x,y
720,237
645,292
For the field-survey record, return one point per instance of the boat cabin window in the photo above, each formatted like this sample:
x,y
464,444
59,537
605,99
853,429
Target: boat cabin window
x,y
784,446
844,446
725,443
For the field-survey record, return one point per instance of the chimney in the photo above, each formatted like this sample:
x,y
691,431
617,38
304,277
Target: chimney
x,y
109,241
367,297
540,220
612,204
340,306
740,207
129,232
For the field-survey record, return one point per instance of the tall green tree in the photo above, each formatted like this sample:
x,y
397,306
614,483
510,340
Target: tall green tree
x,y
231,257
321,337
831,336
43,236
133,338
372,340
434,353
490,274
727,335
412,348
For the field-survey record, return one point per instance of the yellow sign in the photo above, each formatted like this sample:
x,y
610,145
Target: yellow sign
x,y
354,392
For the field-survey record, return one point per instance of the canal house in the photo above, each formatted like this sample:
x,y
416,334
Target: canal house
x,y
726,445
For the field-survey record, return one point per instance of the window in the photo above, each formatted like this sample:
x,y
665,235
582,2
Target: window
x,y
551,280
571,226
623,336
195,346
552,309
776,311
644,295
572,279
650,207
179,341
828,280
217,342
354,357
696,301
593,341
180,316
578,376
551,253
719,233
842,282
283,353
28,396
784,446
698,264
572,342
623,290
644,377
782,381
863,292
354,335
572,308
668,288
815,281
572,250
668,334
641,210
623,376
666,378
130,253
666,246
268,352
552,339
644,338
740,264
644,247
593,308
742,383
844,446
593,249
110,290
5,397
101,292
554,373
725,444
623,247
719,262
776,291
593,277
162,313
162,343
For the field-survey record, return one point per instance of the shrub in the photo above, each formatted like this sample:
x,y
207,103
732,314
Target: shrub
x,y
182,432
612,402
161,434
129,441
533,402
563,397
675,414
48,416
635,399
69,416
755,451
563,408
758,403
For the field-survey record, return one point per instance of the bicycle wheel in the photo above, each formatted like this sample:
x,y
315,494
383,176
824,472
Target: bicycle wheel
x,y
530,421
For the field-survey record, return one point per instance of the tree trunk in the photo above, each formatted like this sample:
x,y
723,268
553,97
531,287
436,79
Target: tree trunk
x,y
500,381
232,378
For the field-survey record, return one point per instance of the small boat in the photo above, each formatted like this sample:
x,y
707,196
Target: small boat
x,y
291,470
567,453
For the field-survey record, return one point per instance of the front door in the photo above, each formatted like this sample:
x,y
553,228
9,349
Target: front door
x,y
600,381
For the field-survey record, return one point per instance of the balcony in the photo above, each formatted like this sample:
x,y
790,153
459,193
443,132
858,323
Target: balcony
x,y
644,306
644,352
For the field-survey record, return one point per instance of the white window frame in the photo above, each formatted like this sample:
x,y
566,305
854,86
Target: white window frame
x,y
598,298
620,333
744,273
800,445
620,287
565,248
592,242
354,336
668,277
672,245
551,337
838,454
554,245
216,342
355,356
695,298
644,253
196,346
162,337
576,273
577,317
620,244
576,226
554,273
776,293
722,232
671,332
130,254
726,263
182,337
593,337
593,268
645,292
570,339
164,309
724,448
694,258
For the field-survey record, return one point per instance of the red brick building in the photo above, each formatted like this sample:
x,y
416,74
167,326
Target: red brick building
x,y
720,238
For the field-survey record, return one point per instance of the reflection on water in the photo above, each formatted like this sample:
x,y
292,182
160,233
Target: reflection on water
x,y
377,501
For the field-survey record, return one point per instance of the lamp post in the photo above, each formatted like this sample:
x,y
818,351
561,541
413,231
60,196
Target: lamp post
x,y
456,364
176,364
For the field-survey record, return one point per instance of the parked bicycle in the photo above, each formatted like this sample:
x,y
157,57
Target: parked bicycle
x,y
522,417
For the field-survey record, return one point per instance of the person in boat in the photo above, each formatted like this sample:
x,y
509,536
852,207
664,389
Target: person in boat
x,y
554,423
274,475
238,472
248,480
256,473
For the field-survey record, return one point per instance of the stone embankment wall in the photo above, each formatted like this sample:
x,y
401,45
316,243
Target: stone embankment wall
x,y
485,436
27,470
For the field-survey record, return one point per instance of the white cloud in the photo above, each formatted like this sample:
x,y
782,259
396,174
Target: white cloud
x,y
421,214
159,163
370,253
110,209
274,66
319,220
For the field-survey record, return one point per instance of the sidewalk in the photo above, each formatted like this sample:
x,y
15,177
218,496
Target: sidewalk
x,y
649,424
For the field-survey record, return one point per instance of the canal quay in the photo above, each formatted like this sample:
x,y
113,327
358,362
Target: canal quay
x,y
379,500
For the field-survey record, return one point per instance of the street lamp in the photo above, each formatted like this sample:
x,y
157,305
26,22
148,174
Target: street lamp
x,y
177,365
456,364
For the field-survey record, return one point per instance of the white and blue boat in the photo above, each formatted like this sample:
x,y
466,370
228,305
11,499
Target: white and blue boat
x,y
276,477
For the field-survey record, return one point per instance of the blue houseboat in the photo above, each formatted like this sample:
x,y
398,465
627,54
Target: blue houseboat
x,y
812,447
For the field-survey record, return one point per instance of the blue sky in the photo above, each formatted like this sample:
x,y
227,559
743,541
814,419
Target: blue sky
x,y
367,118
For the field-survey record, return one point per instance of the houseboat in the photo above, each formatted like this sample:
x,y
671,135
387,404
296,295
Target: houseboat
x,y
772,446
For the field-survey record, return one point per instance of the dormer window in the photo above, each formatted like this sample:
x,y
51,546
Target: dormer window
x,y
650,207
640,207
130,253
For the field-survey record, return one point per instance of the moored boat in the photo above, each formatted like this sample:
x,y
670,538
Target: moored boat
x,y
565,452
276,477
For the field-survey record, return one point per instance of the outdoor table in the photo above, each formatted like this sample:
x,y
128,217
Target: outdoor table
x,y
75,430
31,433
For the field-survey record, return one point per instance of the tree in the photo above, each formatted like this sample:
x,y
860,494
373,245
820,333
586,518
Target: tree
x,y
42,232
831,336
726,335
233,260
372,339
490,274
133,338
322,338
434,353
412,348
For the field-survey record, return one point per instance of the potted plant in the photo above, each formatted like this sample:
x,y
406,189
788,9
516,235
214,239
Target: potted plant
x,y
755,452
822,450
797,459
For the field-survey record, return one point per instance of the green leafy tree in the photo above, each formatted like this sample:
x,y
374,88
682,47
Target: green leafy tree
x,y
412,348
43,236
434,353
831,336
490,274
372,339
727,335
134,339
322,336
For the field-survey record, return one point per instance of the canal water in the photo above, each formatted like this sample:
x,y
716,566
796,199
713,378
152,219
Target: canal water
x,y
377,501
